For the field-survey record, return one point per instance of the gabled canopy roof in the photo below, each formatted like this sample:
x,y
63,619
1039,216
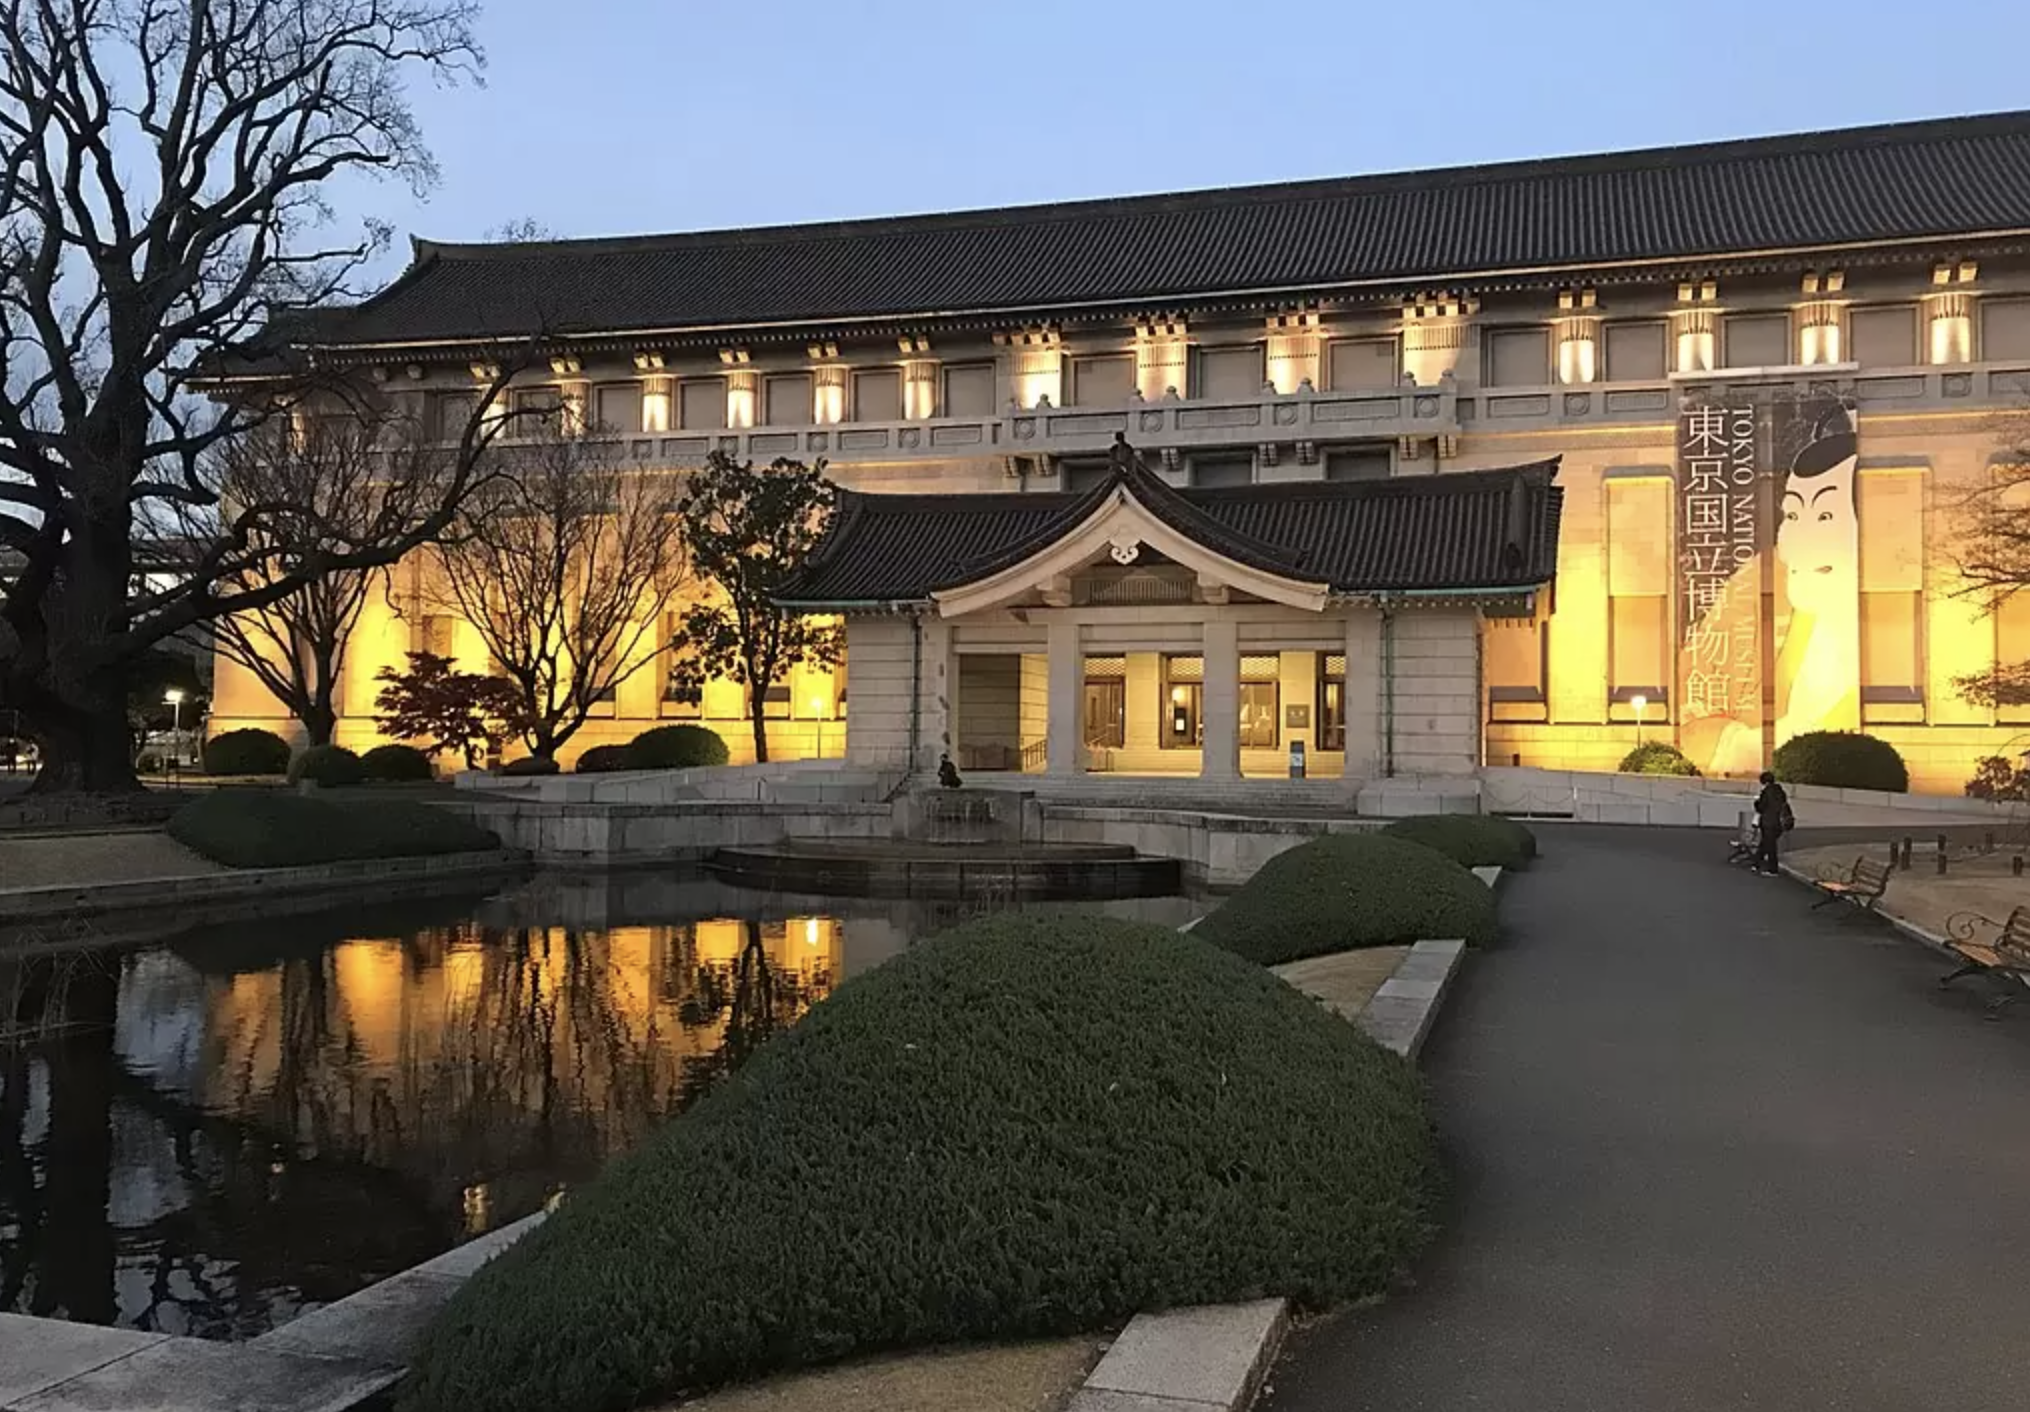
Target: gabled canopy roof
x,y
1811,192
1491,531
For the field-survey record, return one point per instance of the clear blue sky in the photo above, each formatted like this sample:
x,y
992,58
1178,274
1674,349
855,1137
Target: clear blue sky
x,y
605,117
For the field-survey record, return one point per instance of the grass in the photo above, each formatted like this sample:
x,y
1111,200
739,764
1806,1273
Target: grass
x,y
266,828
1470,840
1028,1126
1340,892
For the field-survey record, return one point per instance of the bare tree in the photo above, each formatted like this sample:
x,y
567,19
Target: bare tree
x,y
1991,546
162,176
565,568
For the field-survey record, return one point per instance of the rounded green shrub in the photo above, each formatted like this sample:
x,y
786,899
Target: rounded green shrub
x,y
1657,757
269,828
603,760
531,765
1027,1126
397,764
246,752
1842,759
1341,891
148,763
332,766
676,748
1470,840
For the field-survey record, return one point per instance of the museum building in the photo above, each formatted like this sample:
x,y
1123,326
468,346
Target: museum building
x,y
1406,473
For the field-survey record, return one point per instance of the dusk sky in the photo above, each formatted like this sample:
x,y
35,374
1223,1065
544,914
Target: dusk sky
x,y
609,117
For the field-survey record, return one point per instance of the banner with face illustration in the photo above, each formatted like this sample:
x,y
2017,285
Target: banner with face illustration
x,y
1768,601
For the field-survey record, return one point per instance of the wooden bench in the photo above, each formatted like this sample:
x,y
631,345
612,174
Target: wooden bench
x,y
1863,885
2006,953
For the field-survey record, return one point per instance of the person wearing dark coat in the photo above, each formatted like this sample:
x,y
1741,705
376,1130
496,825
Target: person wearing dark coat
x,y
1773,820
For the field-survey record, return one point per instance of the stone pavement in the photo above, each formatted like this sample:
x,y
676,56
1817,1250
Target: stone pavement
x,y
82,859
1708,1149
1922,897
1025,1377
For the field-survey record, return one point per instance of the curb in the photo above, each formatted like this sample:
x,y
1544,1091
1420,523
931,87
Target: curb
x,y
1208,1359
1400,1015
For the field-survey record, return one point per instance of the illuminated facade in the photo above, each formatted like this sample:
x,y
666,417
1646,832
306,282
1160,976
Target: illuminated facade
x,y
1871,285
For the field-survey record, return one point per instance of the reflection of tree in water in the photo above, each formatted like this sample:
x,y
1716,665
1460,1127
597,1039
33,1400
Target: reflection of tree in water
x,y
757,1002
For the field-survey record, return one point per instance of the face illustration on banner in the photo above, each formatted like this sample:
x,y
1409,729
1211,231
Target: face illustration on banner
x,y
1818,534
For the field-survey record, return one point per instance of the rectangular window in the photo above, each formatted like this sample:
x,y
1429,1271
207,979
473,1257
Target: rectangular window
x,y
1103,380
786,400
1512,656
702,403
2005,330
1222,470
616,408
1757,341
1361,365
436,635
537,404
1518,357
605,701
969,390
1635,352
1331,733
877,395
1229,374
1359,464
1260,724
1639,588
1890,506
1883,338
1183,725
2012,645
451,413
1106,702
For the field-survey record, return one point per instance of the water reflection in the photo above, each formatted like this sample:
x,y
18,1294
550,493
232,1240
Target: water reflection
x,y
209,1136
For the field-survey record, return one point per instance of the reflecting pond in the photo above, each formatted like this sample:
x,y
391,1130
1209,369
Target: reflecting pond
x,y
214,1134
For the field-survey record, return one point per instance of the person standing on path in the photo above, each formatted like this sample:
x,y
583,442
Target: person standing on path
x,y
1773,819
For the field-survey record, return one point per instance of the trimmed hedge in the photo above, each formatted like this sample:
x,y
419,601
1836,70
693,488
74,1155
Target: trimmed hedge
x,y
332,766
267,828
1470,840
531,765
1657,757
1341,891
603,760
1843,759
1027,1126
246,752
676,748
397,764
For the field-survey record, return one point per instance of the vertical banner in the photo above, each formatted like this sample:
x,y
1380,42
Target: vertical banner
x,y
1751,478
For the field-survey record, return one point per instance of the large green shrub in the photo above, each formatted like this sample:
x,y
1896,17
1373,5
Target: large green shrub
x,y
603,760
1844,759
1342,891
676,748
531,765
332,766
1657,757
1027,1126
1470,840
246,752
397,764
266,828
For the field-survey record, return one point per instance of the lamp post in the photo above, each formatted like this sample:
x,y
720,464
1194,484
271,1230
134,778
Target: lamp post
x,y
1639,702
174,699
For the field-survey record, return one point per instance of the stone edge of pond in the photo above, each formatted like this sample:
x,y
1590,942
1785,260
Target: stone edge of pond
x,y
26,904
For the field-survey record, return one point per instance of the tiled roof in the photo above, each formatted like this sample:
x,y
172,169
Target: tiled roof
x,y
1410,534
1909,181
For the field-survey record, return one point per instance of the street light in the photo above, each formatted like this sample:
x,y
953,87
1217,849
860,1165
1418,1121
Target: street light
x,y
1638,701
173,698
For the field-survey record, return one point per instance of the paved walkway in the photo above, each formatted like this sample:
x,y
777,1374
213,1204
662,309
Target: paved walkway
x,y
80,860
1709,1150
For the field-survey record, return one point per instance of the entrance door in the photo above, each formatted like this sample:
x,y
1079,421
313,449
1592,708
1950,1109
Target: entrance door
x,y
1106,713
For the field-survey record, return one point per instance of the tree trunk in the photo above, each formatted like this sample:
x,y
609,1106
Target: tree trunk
x,y
83,751
320,722
759,719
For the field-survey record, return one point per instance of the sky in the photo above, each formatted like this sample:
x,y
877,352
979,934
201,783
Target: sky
x,y
609,117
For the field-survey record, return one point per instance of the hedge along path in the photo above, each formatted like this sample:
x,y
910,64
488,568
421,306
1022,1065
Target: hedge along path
x,y
1026,1127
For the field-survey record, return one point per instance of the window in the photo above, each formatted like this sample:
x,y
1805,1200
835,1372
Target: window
x,y
1518,357
451,413
1222,470
877,395
1106,701
1229,374
1102,381
1513,655
1183,703
969,390
1261,702
436,635
604,702
1361,364
1639,587
2005,329
1359,464
616,407
1635,352
786,400
702,402
536,410
2012,645
1331,733
1890,506
1757,340
1883,338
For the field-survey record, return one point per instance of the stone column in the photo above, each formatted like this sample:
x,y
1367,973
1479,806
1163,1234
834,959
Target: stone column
x,y
1362,696
1221,700
1063,727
